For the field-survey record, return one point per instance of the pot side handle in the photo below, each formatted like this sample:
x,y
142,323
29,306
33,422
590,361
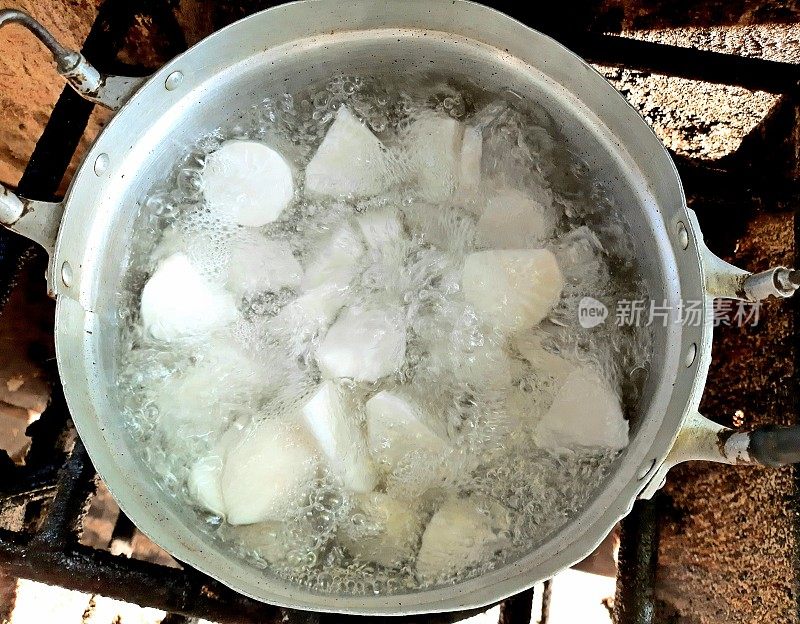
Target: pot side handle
x,y
37,220
701,439
110,91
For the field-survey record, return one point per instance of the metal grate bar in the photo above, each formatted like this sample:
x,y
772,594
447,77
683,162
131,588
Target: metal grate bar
x,y
638,556
659,58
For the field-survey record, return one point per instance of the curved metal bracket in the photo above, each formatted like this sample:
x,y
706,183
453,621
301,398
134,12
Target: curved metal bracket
x,y
726,281
701,439
110,91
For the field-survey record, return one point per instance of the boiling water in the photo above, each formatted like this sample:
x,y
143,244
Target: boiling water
x,y
180,398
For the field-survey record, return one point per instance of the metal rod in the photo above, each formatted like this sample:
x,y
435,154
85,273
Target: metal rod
x,y
517,609
76,482
751,73
638,556
61,54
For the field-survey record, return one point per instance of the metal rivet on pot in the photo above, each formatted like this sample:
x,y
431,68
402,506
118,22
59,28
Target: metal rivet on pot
x,y
173,80
683,235
101,164
691,354
646,470
66,273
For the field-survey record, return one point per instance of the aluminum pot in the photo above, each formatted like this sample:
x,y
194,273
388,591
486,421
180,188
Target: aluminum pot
x,y
290,46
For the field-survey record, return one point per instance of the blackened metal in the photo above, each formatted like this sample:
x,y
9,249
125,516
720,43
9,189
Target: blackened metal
x,y
76,483
176,618
775,446
638,557
123,533
517,609
547,598
659,58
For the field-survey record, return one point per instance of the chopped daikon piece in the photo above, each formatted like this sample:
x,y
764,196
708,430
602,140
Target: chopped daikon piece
x,y
268,473
247,181
486,365
204,484
471,155
333,421
200,399
464,532
544,362
380,227
349,161
396,426
259,264
178,302
271,540
386,531
512,289
335,263
309,313
364,345
586,412
435,142
512,220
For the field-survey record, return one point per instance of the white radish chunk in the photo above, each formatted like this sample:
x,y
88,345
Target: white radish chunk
x,y
333,422
485,366
272,541
380,227
335,263
178,302
464,532
396,427
205,484
512,220
190,402
309,313
471,156
363,345
388,533
586,413
350,161
512,289
260,265
436,143
546,363
268,473
247,182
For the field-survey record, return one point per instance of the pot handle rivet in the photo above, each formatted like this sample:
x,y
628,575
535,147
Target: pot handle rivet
x,y
66,274
173,81
683,235
101,164
691,354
